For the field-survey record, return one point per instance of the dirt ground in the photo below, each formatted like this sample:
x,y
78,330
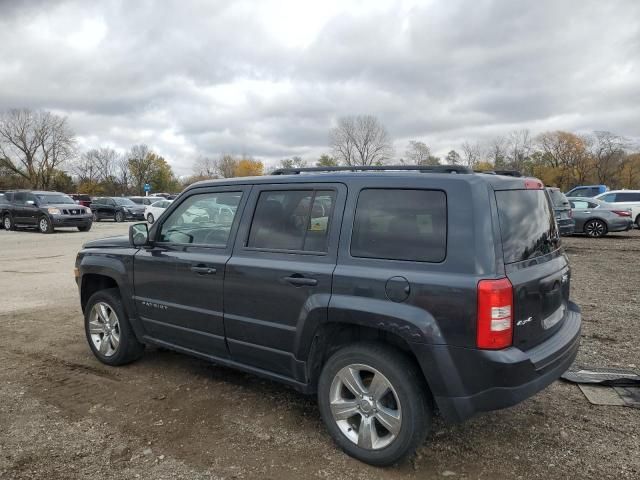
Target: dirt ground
x,y
63,415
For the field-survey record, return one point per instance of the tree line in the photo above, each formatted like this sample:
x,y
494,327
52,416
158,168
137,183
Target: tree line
x,y
39,150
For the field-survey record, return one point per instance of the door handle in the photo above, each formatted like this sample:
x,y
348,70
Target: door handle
x,y
203,270
300,281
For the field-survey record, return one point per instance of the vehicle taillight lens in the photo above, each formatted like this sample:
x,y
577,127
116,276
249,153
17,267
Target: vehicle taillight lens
x,y
495,314
622,213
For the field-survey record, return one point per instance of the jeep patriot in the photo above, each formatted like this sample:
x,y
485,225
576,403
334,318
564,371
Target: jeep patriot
x,y
391,293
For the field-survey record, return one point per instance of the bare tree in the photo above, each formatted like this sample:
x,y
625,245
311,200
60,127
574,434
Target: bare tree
x,y
34,144
205,167
226,166
123,176
293,162
497,152
471,154
518,149
86,169
608,152
361,140
419,153
453,158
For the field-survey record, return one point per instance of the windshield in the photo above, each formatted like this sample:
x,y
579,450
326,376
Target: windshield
x,y
53,198
527,224
123,201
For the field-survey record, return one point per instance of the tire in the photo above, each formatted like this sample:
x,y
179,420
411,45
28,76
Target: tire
x,y
406,396
150,218
122,346
45,225
86,228
119,217
7,222
595,228
638,221
96,218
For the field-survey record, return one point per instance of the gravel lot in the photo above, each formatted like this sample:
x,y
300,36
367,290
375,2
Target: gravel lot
x,y
63,415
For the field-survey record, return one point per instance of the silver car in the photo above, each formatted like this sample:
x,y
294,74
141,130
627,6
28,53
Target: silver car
x,y
596,218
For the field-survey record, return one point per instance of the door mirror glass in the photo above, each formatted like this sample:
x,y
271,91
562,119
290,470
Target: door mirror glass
x,y
31,202
138,234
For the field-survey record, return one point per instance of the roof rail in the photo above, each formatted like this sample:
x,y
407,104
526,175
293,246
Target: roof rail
x,y
509,173
376,168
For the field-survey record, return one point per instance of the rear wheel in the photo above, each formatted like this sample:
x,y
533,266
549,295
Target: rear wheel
x,y
595,228
119,217
45,225
638,221
108,331
7,221
96,218
373,400
150,218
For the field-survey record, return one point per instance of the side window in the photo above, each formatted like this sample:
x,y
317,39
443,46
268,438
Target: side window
x,y
196,220
580,192
400,225
628,197
592,205
579,204
19,198
292,220
31,197
609,197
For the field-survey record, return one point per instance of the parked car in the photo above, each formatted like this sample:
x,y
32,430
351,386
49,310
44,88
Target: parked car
x,y
145,200
596,218
408,291
624,199
562,211
45,211
118,209
587,191
3,205
153,211
81,199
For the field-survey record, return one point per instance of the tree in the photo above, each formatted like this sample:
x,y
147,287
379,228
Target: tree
x,y
497,152
293,162
62,182
567,155
518,149
418,153
326,161
226,166
630,172
453,158
248,167
608,152
361,140
34,144
140,163
205,168
471,154
161,175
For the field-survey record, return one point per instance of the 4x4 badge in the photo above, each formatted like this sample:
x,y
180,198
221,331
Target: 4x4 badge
x,y
524,322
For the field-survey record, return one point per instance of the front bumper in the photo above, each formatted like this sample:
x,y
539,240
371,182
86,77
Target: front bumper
x,y
134,215
465,381
71,220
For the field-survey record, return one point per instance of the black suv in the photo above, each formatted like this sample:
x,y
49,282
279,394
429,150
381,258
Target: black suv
x,y
118,209
390,295
43,210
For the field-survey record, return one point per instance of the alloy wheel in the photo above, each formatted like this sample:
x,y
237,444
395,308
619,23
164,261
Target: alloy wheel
x,y
365,406
594,228
7,223
43,225
104,329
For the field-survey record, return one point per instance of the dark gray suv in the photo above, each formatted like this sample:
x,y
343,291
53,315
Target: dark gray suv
x,y
390,294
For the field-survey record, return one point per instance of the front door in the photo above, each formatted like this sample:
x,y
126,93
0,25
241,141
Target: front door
x,y
279,276
178,280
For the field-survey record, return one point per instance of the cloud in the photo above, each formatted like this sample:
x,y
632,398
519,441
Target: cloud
x,y
269,78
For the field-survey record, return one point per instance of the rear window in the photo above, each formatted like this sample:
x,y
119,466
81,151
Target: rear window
x,y
558,198
527,224
400,225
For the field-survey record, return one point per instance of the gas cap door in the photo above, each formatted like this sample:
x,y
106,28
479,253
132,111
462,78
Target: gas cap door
x,y
397,289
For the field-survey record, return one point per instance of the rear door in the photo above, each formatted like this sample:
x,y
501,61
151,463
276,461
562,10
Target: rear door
x,y
534,263
19,208
281,271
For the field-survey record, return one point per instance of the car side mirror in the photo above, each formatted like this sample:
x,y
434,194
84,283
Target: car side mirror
x,y
139,234
31,202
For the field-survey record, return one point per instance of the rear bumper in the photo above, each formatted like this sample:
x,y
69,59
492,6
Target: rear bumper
x,y
620,225
465,381
566,226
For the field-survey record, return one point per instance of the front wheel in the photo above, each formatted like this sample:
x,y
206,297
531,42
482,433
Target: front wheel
x,y
373,400
108,331
45,225
7,221
96,218
119,217
595,228
150,218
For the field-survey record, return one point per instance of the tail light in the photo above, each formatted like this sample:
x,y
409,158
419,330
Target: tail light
x,y
622,213
495,314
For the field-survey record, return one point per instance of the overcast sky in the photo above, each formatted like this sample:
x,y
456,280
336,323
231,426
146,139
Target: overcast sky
x,y
268,79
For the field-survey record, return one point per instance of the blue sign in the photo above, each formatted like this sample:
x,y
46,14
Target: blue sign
x,y
147,187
